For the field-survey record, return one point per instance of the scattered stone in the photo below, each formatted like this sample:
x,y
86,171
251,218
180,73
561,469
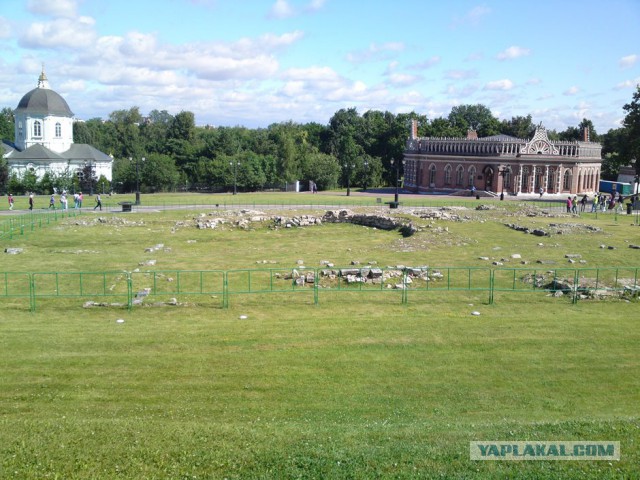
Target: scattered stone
x,y
13,251
573,255
516,256
637,247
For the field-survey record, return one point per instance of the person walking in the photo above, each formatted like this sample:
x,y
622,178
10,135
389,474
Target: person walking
x,y
10,202
31,201
52,202
98,202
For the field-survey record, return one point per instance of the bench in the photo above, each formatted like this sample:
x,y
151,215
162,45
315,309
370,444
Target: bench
x,y
126,206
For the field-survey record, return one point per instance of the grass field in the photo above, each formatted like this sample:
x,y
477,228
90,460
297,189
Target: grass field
x,y
359,386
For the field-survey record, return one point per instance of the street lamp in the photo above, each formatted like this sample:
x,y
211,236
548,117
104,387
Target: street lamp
x,y
397,167
137,178
503,172
366,174
349,167
235,165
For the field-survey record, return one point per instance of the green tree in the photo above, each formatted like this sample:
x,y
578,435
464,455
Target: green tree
x,y
127,134
7,127
519,127
30,181
630,151
477,117
159,173
4,174
46,183
15,185
441,127
323,169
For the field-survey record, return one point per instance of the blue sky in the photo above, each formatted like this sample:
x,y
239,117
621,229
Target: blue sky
x,y
257,62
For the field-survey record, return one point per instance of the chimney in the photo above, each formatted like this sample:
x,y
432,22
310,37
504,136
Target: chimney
x,y
414,129
586,134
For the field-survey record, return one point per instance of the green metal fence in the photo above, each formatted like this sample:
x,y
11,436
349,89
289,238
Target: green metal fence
x,y
13,226
131,289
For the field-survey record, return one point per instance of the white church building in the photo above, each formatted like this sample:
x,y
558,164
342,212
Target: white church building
x,y
44,138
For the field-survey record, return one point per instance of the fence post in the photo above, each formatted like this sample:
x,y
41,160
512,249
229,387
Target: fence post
x,y
315,286
225,290
32,293
129,291
576,279
491,285
405,287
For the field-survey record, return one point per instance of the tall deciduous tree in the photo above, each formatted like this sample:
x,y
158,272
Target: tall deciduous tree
x,y
631,124
7,130
519,127
477,117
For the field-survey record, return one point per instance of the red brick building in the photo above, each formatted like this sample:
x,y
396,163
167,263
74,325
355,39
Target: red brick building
x,y
501,163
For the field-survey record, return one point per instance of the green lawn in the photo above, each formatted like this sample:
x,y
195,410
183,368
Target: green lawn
x,y
358,386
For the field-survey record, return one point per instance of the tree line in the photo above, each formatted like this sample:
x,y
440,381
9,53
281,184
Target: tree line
x,y
164,152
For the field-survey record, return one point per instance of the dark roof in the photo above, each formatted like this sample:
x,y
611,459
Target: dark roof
x,y
36,152
83,151
7,147
43,101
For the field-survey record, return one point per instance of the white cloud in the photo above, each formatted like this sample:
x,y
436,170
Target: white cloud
x,y
628,61
628,84
281,9
472,17
375,52
504,84
403,80
573,90
428,63
460,74
513,52
315,5
5,28
56,9
60,33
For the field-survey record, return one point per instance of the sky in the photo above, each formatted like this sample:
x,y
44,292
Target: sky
x,y
253,63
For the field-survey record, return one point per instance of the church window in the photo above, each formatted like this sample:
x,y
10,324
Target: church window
x,y
566,184
58,130
432,175
459,175
37,129
472,176
447,175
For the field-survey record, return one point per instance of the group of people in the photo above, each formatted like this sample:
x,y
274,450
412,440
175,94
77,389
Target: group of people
x,y
600,202
78,198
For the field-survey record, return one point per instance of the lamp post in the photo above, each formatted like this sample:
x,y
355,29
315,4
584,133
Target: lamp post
x,y
234,165
349,167
366,174
137,178
397,167
503,172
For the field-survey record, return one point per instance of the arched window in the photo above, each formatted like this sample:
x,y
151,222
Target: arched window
x,y
459,175
447,175
566,184
472,176
37,129
432,175
58,130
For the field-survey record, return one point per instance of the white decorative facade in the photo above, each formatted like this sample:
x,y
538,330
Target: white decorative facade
x,y
503,164
44,138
